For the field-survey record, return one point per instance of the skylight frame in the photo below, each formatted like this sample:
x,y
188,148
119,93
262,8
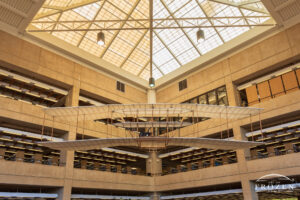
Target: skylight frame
x,y
122,48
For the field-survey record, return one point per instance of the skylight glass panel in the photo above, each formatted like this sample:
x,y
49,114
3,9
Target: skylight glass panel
x,y
122,5
113,57
229,11
139,57
132,67
162,57
69,36
169,66
180,45
157,44
144,44
174,5
156,73
187,56
230,33
145,74
73,2
88,11
69,16
130,36
212,9
121,47
190,10
109,11
45,10
157,7
159,11
170,35
90,46
142,10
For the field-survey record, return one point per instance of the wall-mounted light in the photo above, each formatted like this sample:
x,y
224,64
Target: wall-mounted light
x,y
101,38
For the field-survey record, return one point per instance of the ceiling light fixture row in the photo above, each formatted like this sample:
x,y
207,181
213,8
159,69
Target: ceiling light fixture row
x,y
101,37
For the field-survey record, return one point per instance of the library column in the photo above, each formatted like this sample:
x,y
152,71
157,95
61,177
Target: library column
x,y
67,157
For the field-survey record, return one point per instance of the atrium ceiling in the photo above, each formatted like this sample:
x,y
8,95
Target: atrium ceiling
x,y
126,53
129,48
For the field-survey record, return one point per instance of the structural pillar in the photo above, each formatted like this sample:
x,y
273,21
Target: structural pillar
x,y
238,132
151,93
72,98
67,157
241,154
65,192
155,196
154,164
151,96
248,188
232,94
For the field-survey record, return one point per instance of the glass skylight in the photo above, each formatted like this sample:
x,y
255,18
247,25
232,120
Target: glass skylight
x,y
78,21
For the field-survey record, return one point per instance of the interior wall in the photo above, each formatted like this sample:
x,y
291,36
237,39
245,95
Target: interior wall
x,y
28,58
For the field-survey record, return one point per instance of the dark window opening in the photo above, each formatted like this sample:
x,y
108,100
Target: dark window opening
x,y
182,84
120,86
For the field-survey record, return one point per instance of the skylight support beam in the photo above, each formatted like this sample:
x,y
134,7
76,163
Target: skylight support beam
x,y
56,22
244,17
155,28
186,35
121,26
242,5
193,20
140,24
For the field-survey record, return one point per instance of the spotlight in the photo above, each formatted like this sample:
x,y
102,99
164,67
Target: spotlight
x,y
101,38
151,82
200,35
